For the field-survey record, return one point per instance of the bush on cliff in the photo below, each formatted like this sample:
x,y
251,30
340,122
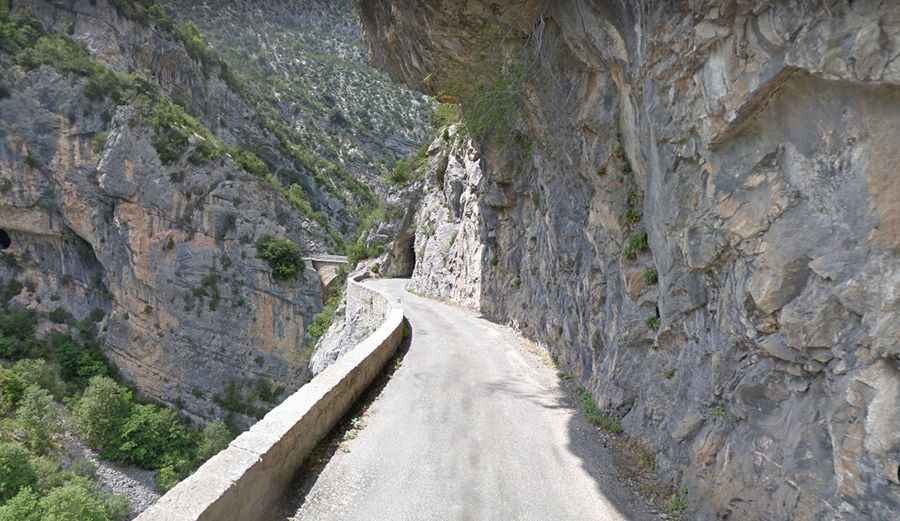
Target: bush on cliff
x,y
283,255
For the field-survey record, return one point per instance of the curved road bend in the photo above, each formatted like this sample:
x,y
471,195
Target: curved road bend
x,y
470,427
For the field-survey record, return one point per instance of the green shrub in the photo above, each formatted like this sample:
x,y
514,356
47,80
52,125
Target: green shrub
x,y
117,507
445,115
37,419
635,244
653,323
12,388
49,473
39,372
283,255
10,291
195,44
104,83
78,363
24,506
250,162
651,276
18,33
98,142
632,216
153,437
322,320
596,416
60,316
490,108
215,438
59,52
16,472
166,478
173,129
101,414
73,502
17,329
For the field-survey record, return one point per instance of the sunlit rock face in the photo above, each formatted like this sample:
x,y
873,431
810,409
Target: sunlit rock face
x,y
754,341
165,253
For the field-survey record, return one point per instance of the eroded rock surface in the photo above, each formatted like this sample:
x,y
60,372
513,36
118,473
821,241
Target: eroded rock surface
x,y
754,341
166,252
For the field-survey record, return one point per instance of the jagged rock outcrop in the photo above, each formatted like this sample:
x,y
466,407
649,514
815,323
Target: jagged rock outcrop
x,y
698,216
96,220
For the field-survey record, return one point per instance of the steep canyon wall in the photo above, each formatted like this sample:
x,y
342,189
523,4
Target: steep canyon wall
x,y
698,213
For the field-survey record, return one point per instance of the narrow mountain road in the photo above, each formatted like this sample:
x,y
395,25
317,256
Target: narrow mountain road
x,y
472,426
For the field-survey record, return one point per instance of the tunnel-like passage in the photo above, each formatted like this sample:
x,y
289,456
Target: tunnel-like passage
x,y
404,255
5,240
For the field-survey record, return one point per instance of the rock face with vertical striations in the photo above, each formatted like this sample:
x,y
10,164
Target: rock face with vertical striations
x,y
98,221
696,209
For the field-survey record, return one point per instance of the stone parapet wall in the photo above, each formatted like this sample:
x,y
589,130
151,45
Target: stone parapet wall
x,y
246,480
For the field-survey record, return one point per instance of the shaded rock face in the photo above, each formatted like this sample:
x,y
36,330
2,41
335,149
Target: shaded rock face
x,y
96,222
754,341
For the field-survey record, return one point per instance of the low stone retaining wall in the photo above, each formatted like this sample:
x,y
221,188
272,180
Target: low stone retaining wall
x,y
245,481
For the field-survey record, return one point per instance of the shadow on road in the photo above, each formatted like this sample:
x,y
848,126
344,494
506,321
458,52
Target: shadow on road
x,y
346,429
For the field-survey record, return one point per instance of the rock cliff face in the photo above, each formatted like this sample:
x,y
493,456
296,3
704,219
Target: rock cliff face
x,y
698,214
308,60
97,222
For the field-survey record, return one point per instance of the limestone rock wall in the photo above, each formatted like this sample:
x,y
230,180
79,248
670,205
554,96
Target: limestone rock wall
x,y
754,341
166,252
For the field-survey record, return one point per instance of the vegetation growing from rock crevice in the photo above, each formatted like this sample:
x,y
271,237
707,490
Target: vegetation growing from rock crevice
x,y
489,90
595,415
283,255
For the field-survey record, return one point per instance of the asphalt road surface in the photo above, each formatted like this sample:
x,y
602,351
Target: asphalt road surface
x,y
472,426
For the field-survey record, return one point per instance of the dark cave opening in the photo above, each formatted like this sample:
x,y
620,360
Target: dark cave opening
x,y
411,254
5,241
404,255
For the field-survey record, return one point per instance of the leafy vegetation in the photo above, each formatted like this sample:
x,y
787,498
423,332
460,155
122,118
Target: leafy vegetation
x,y
405,169
489,90
651,276
323,319
596,416
445,115
283,255
327,103
653,323
61,376
677,505
636,243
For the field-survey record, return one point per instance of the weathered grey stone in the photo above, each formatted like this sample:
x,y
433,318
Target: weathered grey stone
x,y
166,252
762,141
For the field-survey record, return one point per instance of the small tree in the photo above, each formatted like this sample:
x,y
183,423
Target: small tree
x,y
15,470
153,437
12,388
39,372
283,255
25,506
73,502
102,412
38,419
216,437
